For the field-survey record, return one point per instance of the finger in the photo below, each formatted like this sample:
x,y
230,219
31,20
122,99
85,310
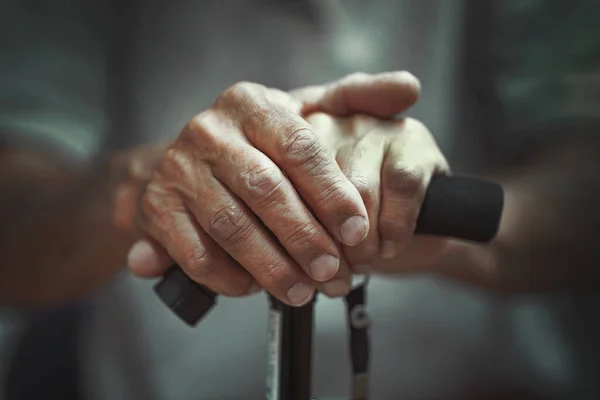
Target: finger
x,y
382,95
237,231
261,185
341,284
234,228
277,130
411,161
166,219
125,205
361,162
148,259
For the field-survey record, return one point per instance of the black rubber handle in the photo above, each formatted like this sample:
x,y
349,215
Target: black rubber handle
x,y
459,207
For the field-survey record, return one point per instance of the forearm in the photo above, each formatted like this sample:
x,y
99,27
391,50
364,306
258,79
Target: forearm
x,y
58,241
548,233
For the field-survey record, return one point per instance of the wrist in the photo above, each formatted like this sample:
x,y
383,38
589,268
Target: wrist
x,y
466,262
471,263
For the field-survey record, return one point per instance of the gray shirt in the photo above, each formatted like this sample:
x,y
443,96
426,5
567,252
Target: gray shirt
x,y
429,337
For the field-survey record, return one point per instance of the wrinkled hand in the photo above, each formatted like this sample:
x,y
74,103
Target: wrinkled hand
x,y
391,164
250,194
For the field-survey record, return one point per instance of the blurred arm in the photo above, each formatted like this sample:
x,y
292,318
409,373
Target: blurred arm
x,y
57,242
548,236
57,239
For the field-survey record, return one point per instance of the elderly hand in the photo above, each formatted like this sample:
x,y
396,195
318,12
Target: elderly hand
x,y
250,195
390,162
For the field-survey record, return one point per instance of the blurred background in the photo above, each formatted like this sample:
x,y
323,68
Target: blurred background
x,y
82,78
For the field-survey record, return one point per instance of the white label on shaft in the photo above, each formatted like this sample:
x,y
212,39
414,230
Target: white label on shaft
x,y
273,365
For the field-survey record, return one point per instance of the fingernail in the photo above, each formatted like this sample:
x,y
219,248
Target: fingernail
x,y
354,230
300,294
337,288
142,254
324,267
388,249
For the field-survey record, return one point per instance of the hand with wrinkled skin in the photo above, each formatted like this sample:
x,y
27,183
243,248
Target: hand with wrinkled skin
x,y
390,163
250,195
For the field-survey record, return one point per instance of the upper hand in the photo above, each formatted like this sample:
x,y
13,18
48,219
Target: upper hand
x,y
250,194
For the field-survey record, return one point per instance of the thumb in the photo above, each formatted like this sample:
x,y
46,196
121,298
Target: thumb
x,y
380,95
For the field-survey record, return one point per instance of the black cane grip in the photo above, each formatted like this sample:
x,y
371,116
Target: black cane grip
x,y
460,207
186,298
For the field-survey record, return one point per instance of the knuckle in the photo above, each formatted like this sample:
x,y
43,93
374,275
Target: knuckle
x,y
419,133
158,206
231,226
173,159
405,181
152,201
274,274
302,148
177,165
265,184
238,92
416,127
302,237
200,265
197,125
202,127
278,277
367,187
334,192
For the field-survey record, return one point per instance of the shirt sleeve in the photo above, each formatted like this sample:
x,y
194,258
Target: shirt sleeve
x,y
53,76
